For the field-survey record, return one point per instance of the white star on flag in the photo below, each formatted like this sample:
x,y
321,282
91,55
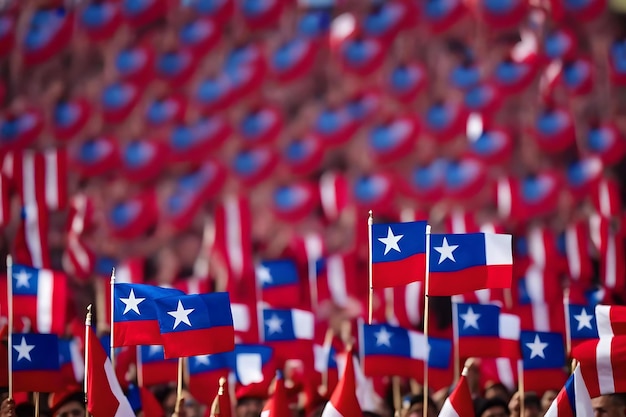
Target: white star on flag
x,y
274,324
445,251
23,350
202,359
22,279
584,320
537,347
132,303
181,315
470,319
383,337
263,274
391,241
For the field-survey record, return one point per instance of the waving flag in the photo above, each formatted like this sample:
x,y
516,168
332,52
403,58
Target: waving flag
x,y
398,253
279,282
484,331
104,394
460,402
40,296
573,400
343,402
390,350
582,323
603,364
254,367
611,320
135,316
71,361
543,355
290,332
35,362
197,324
467,262
205,372
153,368
277,405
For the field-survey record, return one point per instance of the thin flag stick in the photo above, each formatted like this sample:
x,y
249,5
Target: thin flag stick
x,y
179,385
10,335
85,384
568,330
520,388
328,340
139,367
36,403
370,221
455,342
112,347
426,319
397,395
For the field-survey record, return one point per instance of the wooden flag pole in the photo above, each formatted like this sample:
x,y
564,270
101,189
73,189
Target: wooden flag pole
x,y
328,341
36,403
179,386
520,386
568,330
85,382
139,367
397,395
370,221
112,300
426,319
10,324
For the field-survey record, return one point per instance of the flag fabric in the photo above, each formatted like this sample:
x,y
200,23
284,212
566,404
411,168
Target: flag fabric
x,y
71,361
198,324
290,332
398,253
603,364
460,402
279,283
5,201
343,401
245,322
153,368
277,405
35,360
40,296
611,320
573,399
582,323
254,366
221,405
135,319
205,372
469,262
336,278
543,357
483,331
104,394
326,363
404,304
390,350
143,400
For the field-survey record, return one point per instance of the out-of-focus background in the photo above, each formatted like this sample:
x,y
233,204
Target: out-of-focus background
x,y
185,141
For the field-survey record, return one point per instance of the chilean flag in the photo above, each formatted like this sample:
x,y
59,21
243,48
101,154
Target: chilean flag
x,y
279,282
196,324
611,320
603,364
40,295
573,399
35,362
71,361
290,332
153,368
135,317
254,366
205,372
582,323
343,402
484,331
468,262
460,402
277,405
398,253
390,350
543,355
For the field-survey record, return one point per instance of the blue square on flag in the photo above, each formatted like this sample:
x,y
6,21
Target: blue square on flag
x,y
542,350
398,253
35,360
478,320
279,282
582,322
288,324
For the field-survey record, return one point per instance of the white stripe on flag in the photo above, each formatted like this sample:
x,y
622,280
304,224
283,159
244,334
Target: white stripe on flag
x,y
241,317
505,373
458,222
303,324
604,366
610,263
582,397
503,194
605,199
541,317
78,363
412,302
232,214
124,409
536,246
419,346
45,297
572,251
31,222
336,279
52,180
328,195
509,326
603,320
498,249
331,411
249,368
447,410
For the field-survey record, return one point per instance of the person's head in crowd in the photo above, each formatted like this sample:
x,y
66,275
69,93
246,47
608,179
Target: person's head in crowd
x,y
415,406
496,407
532,405
249,406
497,390
547,398
611,405
67,403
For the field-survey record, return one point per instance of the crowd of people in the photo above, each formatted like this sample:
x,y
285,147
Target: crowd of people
x,y
476,115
